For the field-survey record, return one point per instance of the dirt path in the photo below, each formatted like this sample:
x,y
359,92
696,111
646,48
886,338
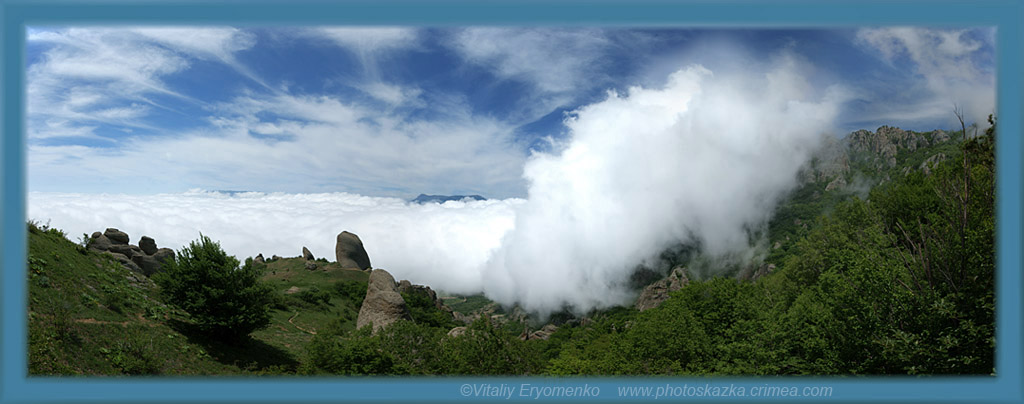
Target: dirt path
x,y
138,316
296,326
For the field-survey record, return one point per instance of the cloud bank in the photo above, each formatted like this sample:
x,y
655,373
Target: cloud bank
x,y
440,245
700,160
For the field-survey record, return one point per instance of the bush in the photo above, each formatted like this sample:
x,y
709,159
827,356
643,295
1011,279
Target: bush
x,y
223,299
354,291
315,296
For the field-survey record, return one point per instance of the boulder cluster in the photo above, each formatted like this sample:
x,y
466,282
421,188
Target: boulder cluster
x,y
144,258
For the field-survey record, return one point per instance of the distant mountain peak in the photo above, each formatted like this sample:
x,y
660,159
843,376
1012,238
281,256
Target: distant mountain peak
x,y
424,198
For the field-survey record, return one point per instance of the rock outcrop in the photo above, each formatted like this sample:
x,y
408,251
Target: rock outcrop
x,y
878,151
839,182
383,303
307,255
350,253
543,333
145,258
927,165
656,293
457,332
762,271
259,259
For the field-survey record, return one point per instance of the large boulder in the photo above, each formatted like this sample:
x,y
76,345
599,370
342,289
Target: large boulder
x,y
383,304
123,249
99,242
307,255
164,254
350,253
656,293
147,263
259,259
148,245
116,236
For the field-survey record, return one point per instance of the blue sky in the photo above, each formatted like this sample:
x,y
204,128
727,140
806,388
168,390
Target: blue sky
x,y
398,111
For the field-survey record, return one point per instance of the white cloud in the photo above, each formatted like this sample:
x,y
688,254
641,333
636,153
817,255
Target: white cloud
x,y
91,75
394,95
369,39
371,45
315,144
552,60
947,63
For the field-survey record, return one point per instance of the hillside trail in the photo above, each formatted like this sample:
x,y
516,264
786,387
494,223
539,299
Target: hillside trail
x,y
296,325
138,317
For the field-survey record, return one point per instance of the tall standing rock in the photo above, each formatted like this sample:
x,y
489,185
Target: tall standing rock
x,y
350,253
307,255
383,304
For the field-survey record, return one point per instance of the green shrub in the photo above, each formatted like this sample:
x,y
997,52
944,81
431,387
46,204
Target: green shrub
x,y
315,296
354,291
223,299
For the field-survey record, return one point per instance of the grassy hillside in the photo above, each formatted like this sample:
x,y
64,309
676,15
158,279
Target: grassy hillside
x,y
88,315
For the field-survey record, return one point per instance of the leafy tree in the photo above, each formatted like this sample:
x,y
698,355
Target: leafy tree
x,y
223,299
422,309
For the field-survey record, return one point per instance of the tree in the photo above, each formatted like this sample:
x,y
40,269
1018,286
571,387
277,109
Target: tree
x,y
223,299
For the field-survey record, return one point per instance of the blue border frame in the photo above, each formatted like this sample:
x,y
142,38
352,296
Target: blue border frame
x,y
1006,15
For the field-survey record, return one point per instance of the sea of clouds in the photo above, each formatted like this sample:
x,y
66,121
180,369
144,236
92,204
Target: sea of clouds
x,y
699,160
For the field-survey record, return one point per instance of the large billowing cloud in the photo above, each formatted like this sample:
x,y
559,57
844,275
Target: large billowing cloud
x,y
700,160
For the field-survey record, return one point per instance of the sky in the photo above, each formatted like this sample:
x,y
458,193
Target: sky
x,y
596,147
